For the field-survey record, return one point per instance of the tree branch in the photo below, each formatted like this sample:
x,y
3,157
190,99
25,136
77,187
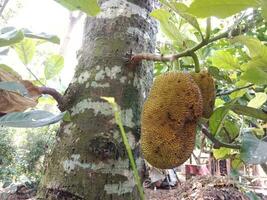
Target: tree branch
x,y
54,93
234,90
164,58
217,143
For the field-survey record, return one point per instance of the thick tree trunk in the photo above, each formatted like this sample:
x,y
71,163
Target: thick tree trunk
x,y
89,160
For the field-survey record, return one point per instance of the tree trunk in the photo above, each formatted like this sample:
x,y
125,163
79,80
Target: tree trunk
x,y
89,160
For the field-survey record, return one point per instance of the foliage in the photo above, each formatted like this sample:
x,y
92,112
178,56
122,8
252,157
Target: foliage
x,y
25,157
7,154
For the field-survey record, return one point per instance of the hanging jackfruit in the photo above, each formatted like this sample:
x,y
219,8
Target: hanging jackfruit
x,y
168,121
207,87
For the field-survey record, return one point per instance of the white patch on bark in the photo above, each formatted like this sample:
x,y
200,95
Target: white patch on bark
x,y
137,31
99,85
112,73
100,75
114,167
83,77
115,8
127,117
131,139
98,107
120,188
70,165
136,82
123,79
68,128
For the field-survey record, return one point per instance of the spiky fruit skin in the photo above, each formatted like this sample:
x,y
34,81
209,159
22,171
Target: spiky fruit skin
x,y
168,121
207,87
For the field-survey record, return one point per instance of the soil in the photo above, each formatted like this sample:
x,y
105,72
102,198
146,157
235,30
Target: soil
x,y
201,188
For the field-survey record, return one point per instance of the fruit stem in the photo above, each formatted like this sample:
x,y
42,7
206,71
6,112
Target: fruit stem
x,y
196,61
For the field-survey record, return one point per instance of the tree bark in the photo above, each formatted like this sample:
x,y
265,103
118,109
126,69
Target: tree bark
x,y
89,160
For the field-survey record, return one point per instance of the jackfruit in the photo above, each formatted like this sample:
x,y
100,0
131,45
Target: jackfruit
x,y
168,121
207,87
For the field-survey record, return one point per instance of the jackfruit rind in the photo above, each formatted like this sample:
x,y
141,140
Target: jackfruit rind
x,y
207,87
168,121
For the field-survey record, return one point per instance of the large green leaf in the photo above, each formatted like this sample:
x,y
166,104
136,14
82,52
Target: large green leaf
x,y
53,65
224,60
255,47
248,111
255,75
180,9
25,50
167,26
259,62
253,150
229,132
220,8
218,117
31,119
9,70
259,99
90,7
44,36
10,35
264,9
14,87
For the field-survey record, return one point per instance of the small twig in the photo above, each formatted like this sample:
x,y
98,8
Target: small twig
x,y
234,90
54,93
208,29
217,143
36,78
3,7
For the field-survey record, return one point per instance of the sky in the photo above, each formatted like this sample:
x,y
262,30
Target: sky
x,y
50,17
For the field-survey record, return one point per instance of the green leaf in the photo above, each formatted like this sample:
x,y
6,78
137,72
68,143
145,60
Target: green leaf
x,y
236,163
224,60
219,75
25,50
258,100
259,62
219,8
221,153
264,9
253,150
67,117
9,70
53,65
248,111
14,87
254,75
90,7
9,36
232,128
180,9
218,117
167,27
43,36
255,47
31,119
